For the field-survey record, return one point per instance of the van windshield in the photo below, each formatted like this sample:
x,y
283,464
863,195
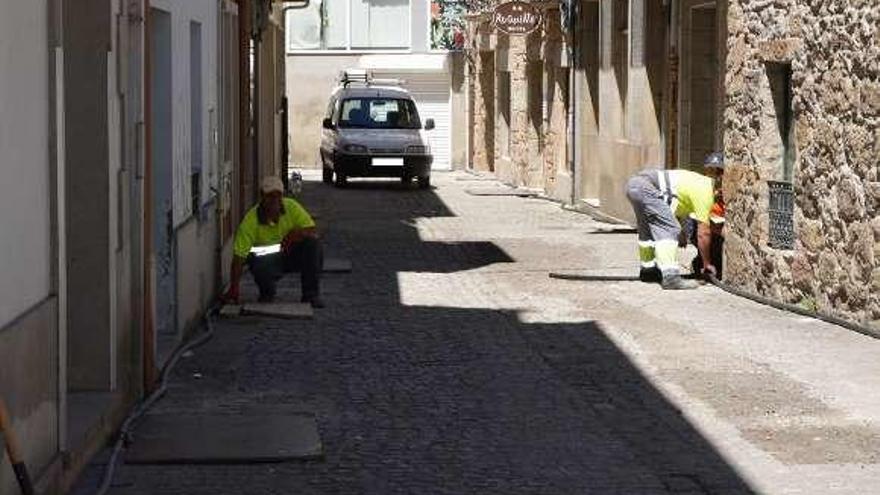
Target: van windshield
x,y
379,113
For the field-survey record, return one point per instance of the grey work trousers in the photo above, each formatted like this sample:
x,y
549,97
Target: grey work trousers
x,y
655,220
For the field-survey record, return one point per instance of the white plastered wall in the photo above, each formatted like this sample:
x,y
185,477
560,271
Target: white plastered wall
x,y
24,158
182,13
194,231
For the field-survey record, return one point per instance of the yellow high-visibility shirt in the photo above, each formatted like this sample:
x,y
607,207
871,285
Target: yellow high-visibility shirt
x,y
251,233
695,193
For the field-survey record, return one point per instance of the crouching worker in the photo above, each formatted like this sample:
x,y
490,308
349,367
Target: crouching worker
x,y
660,198
277,236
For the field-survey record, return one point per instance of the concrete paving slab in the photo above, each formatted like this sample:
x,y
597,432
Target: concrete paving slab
x,y
224,439
291,311
230,310
337,265
288,289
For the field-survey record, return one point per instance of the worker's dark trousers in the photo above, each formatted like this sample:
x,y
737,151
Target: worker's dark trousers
x,y
305,257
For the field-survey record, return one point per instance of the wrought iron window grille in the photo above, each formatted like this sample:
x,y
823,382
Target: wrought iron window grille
x,y
781,210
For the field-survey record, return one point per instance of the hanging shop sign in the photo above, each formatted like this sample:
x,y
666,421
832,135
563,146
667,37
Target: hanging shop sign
x,y
516,18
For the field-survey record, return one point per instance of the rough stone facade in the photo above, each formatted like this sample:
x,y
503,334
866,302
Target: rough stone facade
x,y
528,146
833,49
557,171
481,72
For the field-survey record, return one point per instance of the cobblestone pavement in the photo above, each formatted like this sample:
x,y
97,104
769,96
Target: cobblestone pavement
x,y
449,362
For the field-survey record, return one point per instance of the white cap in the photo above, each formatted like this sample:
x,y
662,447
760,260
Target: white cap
x,y
271,184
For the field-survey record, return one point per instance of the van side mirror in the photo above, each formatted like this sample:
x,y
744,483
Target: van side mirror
x,y
429,124
327,124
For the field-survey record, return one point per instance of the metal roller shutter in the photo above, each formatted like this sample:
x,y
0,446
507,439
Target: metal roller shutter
x,y
432,96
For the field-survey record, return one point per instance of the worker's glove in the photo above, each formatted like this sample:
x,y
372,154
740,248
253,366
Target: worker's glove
x,y
231,295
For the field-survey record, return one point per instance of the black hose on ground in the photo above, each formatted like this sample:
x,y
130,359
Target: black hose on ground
x,y
594,278
855,327
586,277
127,427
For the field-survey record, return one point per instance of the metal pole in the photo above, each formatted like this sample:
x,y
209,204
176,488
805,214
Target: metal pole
x,y
285,144
149,344
574,121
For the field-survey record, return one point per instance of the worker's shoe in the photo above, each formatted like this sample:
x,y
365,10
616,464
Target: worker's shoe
x,y
266,297
675,282
650,275
315,301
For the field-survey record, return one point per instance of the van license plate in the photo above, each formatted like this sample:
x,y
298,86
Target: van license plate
x,y
387,162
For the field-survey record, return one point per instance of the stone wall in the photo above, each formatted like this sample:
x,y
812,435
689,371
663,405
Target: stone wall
x,y
834,53
481,94
557,169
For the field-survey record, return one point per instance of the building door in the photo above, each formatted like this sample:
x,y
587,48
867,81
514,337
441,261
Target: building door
x,y
162,178
700,96
431,91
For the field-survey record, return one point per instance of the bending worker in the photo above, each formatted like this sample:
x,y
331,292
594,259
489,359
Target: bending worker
x,y
660,198
277,236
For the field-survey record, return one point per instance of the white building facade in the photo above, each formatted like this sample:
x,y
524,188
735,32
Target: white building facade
x,y
110,202
415,41
30,336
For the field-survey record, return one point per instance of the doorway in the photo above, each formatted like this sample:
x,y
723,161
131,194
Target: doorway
x,y
700,108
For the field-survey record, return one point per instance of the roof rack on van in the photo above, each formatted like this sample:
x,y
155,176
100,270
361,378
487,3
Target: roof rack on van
x,y
361,76
353,75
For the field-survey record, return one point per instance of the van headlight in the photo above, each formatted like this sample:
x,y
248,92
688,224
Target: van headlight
x,y
355,148
418,149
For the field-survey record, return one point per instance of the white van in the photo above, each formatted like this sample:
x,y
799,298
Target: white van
x,y
373,129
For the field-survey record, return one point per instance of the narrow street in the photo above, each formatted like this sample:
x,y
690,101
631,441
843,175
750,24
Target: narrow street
x,y
473,177
449,362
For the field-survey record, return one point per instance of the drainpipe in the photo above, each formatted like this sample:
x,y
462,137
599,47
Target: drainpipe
x,y
574,121
255,68
59,242
261,21
673,55
293,6
243,100
149,332
285,145
285,102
